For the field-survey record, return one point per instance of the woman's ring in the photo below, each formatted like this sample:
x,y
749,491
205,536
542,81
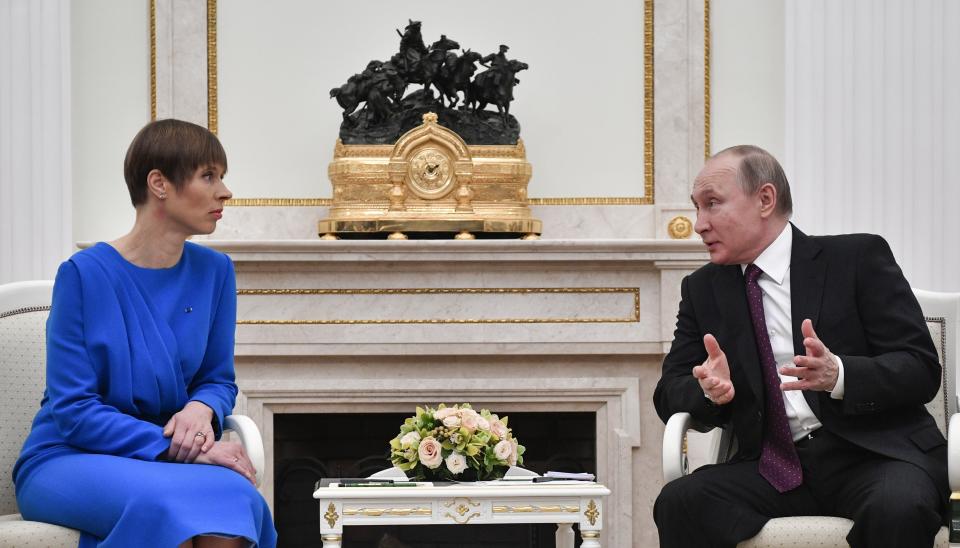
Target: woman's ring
x,y
236,460
200,435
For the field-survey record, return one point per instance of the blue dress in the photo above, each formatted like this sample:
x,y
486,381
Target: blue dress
x,y
127,347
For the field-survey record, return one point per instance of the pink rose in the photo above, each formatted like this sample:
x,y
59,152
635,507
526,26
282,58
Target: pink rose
x,y
456,463
514,453
503,450
497,428
470,421
429,452
483,424
452,421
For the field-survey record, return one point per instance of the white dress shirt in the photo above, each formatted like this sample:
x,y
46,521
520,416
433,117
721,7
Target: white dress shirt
x,y
774,261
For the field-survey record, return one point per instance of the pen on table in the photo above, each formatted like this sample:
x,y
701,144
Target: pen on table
x,y
381,484
544,479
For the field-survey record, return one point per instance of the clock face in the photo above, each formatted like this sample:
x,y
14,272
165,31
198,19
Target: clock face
x,y
430,175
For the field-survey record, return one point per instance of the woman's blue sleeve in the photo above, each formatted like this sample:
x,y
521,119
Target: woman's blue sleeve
x,y
75,386
214,383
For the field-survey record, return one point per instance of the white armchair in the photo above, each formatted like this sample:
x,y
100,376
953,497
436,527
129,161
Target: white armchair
x,y
24,307
942,312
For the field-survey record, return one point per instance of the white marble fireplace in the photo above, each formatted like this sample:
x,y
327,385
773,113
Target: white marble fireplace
x,y
515,326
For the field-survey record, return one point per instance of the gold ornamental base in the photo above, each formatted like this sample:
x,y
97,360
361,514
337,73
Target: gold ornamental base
x,y
358,228
429,184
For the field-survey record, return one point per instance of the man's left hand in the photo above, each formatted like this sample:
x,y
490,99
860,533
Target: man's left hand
x,y
817,370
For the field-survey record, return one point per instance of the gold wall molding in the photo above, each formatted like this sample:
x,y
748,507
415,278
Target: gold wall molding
x,y
648,133
212,122
327,202
648,97
706,79
634,316
212,90
278,202
153,60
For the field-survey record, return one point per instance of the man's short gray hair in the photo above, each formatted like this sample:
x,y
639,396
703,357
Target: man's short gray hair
x,y
758,167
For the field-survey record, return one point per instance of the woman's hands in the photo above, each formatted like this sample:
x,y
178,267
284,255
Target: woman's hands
x,y
190,432
229,454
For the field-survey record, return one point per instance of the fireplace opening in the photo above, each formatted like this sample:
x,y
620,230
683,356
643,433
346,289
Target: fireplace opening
x,y
308,447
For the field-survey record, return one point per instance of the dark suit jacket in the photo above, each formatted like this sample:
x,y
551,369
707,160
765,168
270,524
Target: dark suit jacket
x,y
864,311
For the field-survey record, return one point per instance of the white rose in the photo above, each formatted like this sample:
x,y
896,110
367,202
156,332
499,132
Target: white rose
x,y
451,421
514,453
456,463
483,424
470,421
498,429
410,439
429,452
503,449
445,412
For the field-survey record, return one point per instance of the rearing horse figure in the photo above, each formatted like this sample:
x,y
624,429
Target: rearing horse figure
x,y
495,85
455,77
432,65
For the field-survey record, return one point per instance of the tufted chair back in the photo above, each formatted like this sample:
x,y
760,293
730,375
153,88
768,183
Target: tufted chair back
x,y
23,316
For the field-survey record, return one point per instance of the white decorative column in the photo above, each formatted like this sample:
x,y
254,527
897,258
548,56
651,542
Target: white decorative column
x,y
35,196
873,126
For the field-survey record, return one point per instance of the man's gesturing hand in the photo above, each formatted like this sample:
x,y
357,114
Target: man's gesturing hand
x,y
818,370
714,373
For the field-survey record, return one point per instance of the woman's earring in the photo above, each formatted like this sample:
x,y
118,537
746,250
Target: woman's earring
x,y
163,195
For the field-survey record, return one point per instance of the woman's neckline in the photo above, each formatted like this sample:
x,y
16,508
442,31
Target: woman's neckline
x,y
145,268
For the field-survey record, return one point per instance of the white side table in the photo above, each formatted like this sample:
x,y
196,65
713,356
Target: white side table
x,y
463,504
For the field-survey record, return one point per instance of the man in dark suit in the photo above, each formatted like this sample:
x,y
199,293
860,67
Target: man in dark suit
x,y
815,352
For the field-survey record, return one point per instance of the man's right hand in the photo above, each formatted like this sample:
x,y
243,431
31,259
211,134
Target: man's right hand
x,y
714,373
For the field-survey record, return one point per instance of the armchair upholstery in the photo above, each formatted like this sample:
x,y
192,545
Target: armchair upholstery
x,y
24,307
942,312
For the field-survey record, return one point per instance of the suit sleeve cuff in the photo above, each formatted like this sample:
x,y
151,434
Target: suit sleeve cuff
x,y
838,390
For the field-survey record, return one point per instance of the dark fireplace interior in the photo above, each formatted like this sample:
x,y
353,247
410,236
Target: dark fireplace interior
x,y
308,447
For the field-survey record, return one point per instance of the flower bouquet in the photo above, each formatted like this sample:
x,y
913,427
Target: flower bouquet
x,y
455,444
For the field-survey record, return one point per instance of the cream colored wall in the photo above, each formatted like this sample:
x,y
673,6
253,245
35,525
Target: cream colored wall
x,y
110,41
580,104
747,74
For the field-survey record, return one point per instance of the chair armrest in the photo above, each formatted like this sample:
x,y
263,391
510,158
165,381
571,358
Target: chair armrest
x,y
250,438
953,452
674,457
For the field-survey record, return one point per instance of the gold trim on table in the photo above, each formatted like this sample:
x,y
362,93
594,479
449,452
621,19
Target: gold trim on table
x,y
377,512
529,509
462,507
592,513
331,516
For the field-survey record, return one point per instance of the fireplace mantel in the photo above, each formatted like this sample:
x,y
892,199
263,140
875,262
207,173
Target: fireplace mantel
x,y
515,326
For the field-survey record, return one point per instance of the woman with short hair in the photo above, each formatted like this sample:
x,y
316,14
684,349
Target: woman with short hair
x,y
126,445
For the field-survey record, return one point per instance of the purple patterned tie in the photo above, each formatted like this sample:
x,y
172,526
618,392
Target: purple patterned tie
x,y
779,462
